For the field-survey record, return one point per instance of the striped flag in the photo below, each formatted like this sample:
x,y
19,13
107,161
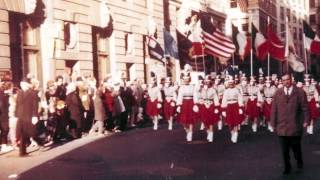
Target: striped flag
x,y
215,42
243,4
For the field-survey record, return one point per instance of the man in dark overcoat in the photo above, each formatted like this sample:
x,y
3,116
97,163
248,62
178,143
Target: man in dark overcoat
x,y
27,114
289,115
75,110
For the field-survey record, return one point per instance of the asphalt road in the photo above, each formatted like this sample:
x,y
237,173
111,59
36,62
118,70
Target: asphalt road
x,y
146,154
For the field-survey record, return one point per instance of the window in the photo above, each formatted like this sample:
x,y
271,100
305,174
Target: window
x,y
312,19
288,14
283,28
245,27
71,35
300,34
129,43
294,33
312,3
233,4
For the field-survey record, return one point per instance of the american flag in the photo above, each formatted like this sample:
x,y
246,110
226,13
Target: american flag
x,y
243,4
215,42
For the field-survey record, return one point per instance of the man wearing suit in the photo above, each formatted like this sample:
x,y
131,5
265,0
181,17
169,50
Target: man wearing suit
x,y
27,115
289,114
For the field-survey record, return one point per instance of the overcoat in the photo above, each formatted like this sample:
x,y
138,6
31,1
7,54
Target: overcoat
x,y
289,113
27,104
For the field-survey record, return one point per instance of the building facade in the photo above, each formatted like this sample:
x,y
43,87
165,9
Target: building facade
x,y
46,38
258,11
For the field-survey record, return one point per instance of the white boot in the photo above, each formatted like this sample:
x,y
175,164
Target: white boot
x,y
254,127
310,129
170,125
220,125
189,136
236,137
270,128
232,137
202,126
210,136
155,124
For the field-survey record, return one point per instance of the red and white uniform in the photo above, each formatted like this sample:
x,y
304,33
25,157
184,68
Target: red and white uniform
x,y
244,92
209,106
232,104
169,105
252,108
154,97
313,100
268,93
187,98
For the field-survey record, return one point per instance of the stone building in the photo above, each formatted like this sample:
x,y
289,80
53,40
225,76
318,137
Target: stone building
x,y
46,38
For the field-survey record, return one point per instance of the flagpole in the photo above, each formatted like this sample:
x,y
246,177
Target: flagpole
x,y
305,54
251,62
165,66
251,50
215,64
233,62
196,57
268,52
204,64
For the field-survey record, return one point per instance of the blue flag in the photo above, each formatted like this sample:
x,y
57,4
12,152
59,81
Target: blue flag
x,y
170,45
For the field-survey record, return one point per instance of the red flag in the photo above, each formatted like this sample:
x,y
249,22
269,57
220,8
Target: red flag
x,y
260,43
276,46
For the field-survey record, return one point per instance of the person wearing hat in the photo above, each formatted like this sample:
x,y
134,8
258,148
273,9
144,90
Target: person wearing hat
x,y
253,104
219,87
27,103
232,109
154,102
243,87
268,92
169,105
313,102
209,107
187,106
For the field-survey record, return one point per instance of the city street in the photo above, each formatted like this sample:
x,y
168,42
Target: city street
x,y
147,154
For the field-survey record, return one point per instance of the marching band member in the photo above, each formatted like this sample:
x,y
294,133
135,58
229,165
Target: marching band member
x,y
313,101
232,105
243,87
169,101
209,107
253,104
187,105
219,86
268,92
154,102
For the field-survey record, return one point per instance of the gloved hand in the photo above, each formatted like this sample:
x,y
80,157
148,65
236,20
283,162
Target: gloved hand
x,y
178,109
240,111
159,105
195,108
34,120
216,111
224,114
172,104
